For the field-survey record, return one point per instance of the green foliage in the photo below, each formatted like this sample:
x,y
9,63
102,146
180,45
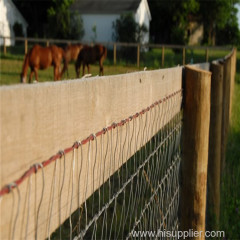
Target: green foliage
x,y
178,35
63,23
229,33
230,189
219,18
94,30
127,30
170,20
76,30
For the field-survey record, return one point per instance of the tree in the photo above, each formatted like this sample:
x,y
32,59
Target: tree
x,y
229,33
218,15
62,22
127,30
170,20
51,18
76,30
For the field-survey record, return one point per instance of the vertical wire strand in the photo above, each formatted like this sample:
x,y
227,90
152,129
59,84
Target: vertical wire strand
x,y
52,200
29,204
80,208
60,193
71,201
41,199
18,209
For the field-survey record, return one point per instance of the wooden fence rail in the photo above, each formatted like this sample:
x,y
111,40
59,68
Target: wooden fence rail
x,y
37,120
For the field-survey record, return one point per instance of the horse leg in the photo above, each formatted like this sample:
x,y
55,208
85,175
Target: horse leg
x,y
30,76
88,67
55,72
101,67
36,74
65,67
77,68
83,68
59,72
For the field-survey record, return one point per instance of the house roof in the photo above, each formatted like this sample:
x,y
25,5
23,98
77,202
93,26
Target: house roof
x,y
105,6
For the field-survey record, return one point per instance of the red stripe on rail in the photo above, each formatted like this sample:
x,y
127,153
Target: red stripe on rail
x,y
33,169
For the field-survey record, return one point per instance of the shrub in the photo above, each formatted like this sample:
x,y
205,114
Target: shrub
x,y
127,30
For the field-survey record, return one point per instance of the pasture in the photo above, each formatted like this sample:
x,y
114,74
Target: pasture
x,y
11,67
230,192
11,63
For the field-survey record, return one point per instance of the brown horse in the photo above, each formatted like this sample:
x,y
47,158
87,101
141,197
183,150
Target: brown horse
x,y
89,55
41,58
71,53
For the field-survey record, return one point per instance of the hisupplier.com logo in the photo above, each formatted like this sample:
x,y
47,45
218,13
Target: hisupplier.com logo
x,y
179,234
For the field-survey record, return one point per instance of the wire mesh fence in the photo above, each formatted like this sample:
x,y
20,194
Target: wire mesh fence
x,y
143,194
124,179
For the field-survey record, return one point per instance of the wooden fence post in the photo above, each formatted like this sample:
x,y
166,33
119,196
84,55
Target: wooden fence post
x,y
114,53
4,46
184,56
214,155
195,149
26,46
225,108
138,55
162,56
233,73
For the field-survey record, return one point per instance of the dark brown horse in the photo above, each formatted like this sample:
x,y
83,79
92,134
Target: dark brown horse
x,y
89,55
41,58
71,54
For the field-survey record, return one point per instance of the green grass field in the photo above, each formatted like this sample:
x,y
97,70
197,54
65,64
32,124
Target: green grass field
x,y
230,191
11,63
10,69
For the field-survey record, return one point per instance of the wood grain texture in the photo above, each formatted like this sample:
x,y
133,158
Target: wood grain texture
x,y
38,120
195,149
215,138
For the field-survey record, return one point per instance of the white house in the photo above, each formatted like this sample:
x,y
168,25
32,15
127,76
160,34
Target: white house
x,y
9,15
100,15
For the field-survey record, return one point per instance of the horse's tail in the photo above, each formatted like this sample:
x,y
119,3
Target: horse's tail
x,y
25,68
